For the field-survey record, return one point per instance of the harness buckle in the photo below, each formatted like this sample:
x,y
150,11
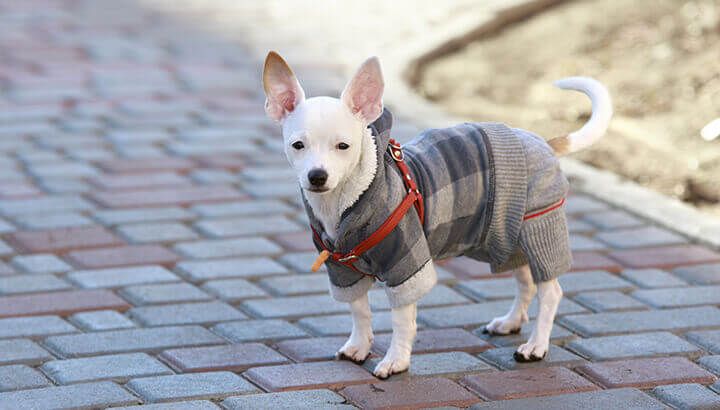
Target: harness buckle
x,y
347,258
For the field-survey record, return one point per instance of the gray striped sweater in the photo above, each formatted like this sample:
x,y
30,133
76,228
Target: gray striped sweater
x,y
478,181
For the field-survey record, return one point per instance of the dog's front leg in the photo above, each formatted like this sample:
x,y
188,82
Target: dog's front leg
x,y
397,358
357,347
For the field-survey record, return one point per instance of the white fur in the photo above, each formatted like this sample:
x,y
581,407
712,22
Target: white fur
x,y
517,315
357,347
397,358
602,111
549,296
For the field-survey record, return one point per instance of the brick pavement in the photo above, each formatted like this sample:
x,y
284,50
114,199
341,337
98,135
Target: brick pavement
x,y
152,249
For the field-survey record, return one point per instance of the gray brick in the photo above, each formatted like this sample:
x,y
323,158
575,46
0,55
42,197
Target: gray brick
x,y
31,283
21,377
608,300
300,261
269,173
592,280
446,364
310,399
481,313
294,306
258,330
599,324
53,221
639,237
582,204
131,340
119,277
220,248
119,368
79,396
687,396
64,186
340,325
294,285
583,243
212,176
102,320
700,274
274,190
136,215
247,226
57,203
677,297
185,405
63,170
198,271
185,314
440,295
6,227
170,293
212,385
40,263
234,289
34,326
612,220
633,345
652,278
602,399
707,339
485,289
5,249
558,334
557,356
21,351
711,363
156,232
245,208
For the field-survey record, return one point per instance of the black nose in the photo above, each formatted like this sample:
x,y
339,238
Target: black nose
x,y
317,177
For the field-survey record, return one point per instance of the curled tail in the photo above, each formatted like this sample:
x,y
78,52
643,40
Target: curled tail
x,y
599,119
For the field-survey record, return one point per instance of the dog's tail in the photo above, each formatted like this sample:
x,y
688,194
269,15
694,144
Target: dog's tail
x,y
599,119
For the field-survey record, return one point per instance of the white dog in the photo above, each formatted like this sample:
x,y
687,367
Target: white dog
x,y
379,212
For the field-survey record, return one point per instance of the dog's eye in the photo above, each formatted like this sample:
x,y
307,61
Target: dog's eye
x,y
342,146
298,145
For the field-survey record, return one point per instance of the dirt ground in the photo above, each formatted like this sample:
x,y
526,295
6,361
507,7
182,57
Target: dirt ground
x,y
659,58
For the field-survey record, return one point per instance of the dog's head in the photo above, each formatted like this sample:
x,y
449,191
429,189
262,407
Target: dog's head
x,y
322,136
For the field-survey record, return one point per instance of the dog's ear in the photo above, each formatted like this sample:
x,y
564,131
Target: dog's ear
x,y
363,94
282,90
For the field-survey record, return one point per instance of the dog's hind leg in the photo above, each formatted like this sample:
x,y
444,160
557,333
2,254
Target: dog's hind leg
x,y
513,320
397,357
357,347
549,296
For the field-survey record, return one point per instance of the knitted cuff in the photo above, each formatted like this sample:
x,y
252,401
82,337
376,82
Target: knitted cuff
x,y
352,292
517,260
545,242
414,288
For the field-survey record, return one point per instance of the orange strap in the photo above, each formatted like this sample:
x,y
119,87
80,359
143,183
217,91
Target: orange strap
x,y
413,197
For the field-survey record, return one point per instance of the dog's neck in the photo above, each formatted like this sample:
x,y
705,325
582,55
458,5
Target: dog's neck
x,y
329,207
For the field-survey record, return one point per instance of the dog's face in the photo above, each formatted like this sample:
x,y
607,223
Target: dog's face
x,y
322,136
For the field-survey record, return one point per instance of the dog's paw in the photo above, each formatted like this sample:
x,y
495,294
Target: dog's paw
x,y
503,325
531,352
355,350
392,364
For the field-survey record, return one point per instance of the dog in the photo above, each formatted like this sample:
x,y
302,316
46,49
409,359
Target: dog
x,y
383,212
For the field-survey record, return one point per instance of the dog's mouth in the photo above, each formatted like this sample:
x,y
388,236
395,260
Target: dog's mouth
x,y
317,190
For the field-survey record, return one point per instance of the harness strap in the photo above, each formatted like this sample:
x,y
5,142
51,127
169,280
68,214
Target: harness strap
x,y
413,197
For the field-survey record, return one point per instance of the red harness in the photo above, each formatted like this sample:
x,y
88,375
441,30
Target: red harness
x,y
413,197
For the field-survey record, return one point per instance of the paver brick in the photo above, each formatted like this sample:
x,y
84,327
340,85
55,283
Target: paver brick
x,y
178,405
445,364
211,385
119,368
258,330
166,196
652,278
136,215
131,340
22,351
665,257
34,326
293,306
118,277
680,319
81,396
313,375
311,399
413,393
234,289
677,297
293,285
592,280
584,261
300,261
135,181
43,205
295,241
515,384
185,314
243,208
235,358
602,399
646,373
711,363
125,165
122,256
612,220
166,293
60,303
40,263
311,350
687,396
102,320
247,226
584,243
199,271
700,274
56,240
15,284
156,232
438,340
222,248
707,339
557,356
52,221
21,377
633,345
637,237
608,301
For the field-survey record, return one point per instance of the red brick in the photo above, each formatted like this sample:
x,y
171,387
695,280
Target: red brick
x,y
665,257
173,196
440,340
514,384
646,373
138,181
62,239
147,164
295,241
466,267
60,303
311,350
234,358
409,394
122,256
304,376
593,260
